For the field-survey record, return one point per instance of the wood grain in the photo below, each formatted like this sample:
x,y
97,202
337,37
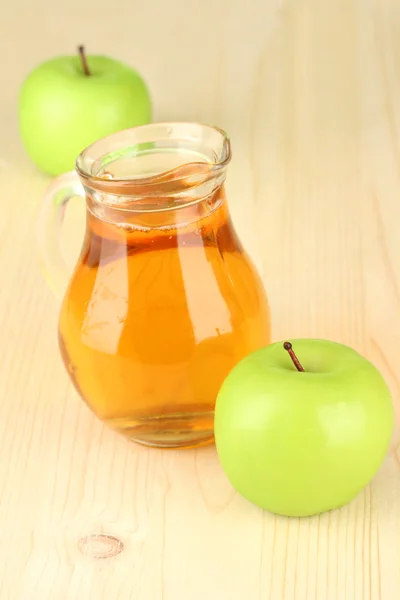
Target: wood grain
x,y
310,93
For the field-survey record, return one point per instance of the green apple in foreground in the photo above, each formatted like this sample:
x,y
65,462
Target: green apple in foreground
x,y
298,443
69,102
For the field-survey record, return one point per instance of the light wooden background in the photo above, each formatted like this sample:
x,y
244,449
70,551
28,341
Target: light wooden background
x,y
310,92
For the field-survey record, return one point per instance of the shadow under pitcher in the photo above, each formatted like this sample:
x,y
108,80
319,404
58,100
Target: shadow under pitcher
x,y
163,301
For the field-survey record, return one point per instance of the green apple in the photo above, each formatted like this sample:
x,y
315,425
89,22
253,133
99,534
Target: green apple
x,y
69,102
301,442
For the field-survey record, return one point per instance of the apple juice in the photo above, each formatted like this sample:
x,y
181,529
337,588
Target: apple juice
x,y
156,315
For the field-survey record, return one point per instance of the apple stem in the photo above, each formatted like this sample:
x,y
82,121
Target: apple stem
x,y
296,362
85,66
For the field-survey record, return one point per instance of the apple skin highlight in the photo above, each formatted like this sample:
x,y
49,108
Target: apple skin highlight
x,y
302,443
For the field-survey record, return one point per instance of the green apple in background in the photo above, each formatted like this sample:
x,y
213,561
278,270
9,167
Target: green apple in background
x,y
69,102
296,442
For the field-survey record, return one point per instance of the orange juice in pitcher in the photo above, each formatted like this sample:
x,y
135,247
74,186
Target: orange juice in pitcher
x,y
164,300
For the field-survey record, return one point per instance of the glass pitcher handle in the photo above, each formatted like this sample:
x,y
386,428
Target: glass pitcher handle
x,y
50,224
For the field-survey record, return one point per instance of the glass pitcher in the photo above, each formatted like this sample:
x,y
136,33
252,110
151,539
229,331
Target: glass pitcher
x,y
163,301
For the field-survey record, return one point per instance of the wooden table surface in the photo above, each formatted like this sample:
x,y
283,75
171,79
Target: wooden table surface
x,y
310,92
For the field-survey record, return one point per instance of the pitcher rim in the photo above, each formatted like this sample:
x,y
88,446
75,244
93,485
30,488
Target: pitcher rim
x,y
207,170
